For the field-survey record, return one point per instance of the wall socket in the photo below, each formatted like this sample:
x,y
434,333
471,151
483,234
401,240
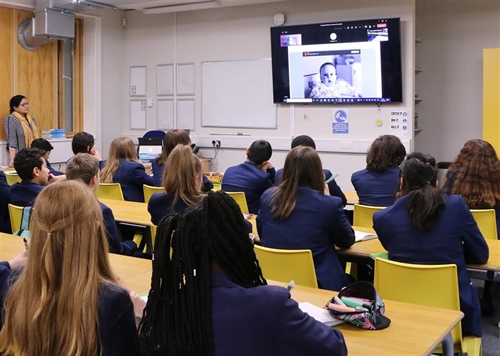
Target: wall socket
x,y
216,143
346,145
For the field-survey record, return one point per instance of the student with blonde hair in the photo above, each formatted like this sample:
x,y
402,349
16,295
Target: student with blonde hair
x,y
182,181
124,167
67,300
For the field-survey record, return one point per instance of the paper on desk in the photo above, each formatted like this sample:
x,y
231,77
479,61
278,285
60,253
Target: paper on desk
x,y
363,236
320,314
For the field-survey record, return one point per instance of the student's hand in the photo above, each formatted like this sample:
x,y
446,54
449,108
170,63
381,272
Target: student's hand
x,y
267,165
139,303
19,261
54,179
96,154
327,189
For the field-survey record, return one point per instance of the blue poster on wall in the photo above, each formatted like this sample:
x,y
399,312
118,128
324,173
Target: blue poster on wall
x,y
340,123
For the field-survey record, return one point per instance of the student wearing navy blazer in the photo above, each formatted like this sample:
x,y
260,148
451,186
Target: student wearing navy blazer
x,y
122,166
31,168
378,184
438,230
298,215
252,177
4,204
333,187
228,308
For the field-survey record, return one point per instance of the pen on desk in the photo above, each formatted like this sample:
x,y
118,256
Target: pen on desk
x,y
290,285
25,243
331,178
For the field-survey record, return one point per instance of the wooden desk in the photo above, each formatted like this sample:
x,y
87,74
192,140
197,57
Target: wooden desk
x,y
414,330
352,197
129,211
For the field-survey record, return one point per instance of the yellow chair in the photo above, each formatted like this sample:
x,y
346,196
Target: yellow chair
x,y
15,214
363,215
486,221
149,190
287,265
430,285
241,200
12,177
109,191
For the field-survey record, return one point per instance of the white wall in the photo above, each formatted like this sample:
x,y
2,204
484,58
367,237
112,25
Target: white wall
x,y
453,34
243,33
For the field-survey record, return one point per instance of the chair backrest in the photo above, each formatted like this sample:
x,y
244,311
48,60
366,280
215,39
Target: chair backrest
x,y
287,265
12,177
486,221
149,190
241,200
363,215
430,285
154,134
109,191
15,214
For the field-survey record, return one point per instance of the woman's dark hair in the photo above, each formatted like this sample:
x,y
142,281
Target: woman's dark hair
x,y
302,169
178,318
172,138
386,151
419,172
477,170
82,142
15,101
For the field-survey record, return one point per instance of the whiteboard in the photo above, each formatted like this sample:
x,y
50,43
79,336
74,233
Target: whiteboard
x,y
238,94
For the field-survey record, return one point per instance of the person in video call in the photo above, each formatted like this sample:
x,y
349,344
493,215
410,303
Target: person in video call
x,y
331,86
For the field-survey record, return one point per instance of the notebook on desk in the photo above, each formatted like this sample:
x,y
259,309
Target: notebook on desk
x,y
320,314
363,236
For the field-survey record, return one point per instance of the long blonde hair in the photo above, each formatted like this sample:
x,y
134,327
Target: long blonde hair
x,y
59,287
182,175
121,147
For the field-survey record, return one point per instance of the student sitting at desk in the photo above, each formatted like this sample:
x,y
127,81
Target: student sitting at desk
x,y
45,146
67,300
158,165
31,168
299,214
378,184
85,167
123,166
304,140
182,181
83,142
475,175
252,177
226,308
4,204
425,227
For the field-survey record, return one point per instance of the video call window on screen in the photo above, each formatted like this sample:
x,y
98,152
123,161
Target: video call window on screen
x,y
354,62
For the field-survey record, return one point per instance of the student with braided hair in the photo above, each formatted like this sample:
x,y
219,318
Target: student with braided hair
x,y
208,295
425,227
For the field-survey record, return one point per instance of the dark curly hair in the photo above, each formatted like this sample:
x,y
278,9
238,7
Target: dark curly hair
x,y
386,151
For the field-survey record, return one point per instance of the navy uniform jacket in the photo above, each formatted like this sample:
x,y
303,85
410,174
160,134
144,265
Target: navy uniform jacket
x,y
332,186
52,170
118,332
317,223
455,238
4,204
160,205
376,188
158,173
450,180
269,323
251,180
24,193
114,240
132,176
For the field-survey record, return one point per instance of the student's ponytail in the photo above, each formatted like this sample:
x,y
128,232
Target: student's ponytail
x,y
419,172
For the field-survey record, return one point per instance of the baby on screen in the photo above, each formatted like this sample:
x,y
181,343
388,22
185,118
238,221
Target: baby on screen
x,y
331,86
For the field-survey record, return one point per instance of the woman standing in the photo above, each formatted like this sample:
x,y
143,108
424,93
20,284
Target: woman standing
x,y
20,127
425,227
67,300
297,214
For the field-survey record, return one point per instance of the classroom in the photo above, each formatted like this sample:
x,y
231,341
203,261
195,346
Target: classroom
x,y
198,47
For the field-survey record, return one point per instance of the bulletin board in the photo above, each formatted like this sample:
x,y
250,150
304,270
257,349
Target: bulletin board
x,y
238,94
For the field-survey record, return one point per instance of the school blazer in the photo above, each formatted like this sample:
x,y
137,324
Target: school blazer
x,y
454,239
264,320
161,204
132,176
115,243
24,193
158,174
251,180
4,204
332,186
376,188
317,223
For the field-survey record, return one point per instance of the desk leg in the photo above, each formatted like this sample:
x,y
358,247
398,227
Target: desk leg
x,y
447,345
